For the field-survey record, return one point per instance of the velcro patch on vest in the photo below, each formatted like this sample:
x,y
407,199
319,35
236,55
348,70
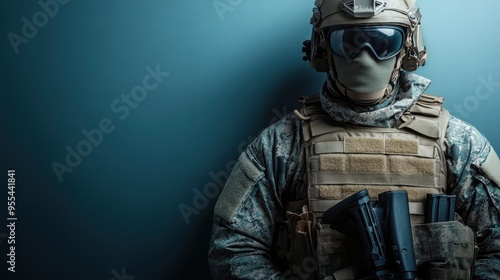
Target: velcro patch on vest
x,y
352,163
411,165
373,169
333,163
364,145
401,146
367,163
375,164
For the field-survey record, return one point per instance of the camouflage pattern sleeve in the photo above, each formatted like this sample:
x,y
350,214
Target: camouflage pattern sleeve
x,y
478,196
245,212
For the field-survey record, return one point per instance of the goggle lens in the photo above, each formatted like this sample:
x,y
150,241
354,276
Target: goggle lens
x,y
384,41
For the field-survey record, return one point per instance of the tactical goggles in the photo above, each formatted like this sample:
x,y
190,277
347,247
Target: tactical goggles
x,y
384,42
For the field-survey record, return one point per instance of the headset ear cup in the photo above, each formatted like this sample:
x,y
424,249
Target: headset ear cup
x,y
318,59
314,52
410,61
416,55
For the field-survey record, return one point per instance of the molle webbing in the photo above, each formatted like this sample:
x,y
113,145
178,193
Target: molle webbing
x,y
343,159
379,161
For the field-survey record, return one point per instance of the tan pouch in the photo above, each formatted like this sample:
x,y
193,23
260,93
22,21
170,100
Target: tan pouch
x,y
444,250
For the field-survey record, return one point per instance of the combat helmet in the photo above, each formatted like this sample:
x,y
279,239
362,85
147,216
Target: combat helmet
x,y
329,15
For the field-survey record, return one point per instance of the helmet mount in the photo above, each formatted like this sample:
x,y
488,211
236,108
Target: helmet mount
x,y
363,8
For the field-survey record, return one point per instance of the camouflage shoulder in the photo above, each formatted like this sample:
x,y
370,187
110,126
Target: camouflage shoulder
x,y
279,143
466,145
280,139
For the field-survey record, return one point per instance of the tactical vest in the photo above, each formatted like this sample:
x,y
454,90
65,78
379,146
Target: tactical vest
x,y
343,159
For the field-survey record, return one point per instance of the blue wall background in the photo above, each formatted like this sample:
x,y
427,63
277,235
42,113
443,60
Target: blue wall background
x,y
224,70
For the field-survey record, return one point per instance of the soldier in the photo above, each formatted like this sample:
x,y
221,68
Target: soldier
x,y
372,128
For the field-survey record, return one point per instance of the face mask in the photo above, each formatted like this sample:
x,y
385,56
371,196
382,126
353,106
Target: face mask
x,y
364,57
365,76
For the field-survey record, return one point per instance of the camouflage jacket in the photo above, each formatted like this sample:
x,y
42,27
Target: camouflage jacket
x,y
271,171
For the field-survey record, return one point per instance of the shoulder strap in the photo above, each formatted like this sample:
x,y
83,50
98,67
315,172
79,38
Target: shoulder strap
x,y
315,121
427,117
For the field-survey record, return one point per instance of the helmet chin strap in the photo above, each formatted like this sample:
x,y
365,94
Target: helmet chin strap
x,y
367,98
